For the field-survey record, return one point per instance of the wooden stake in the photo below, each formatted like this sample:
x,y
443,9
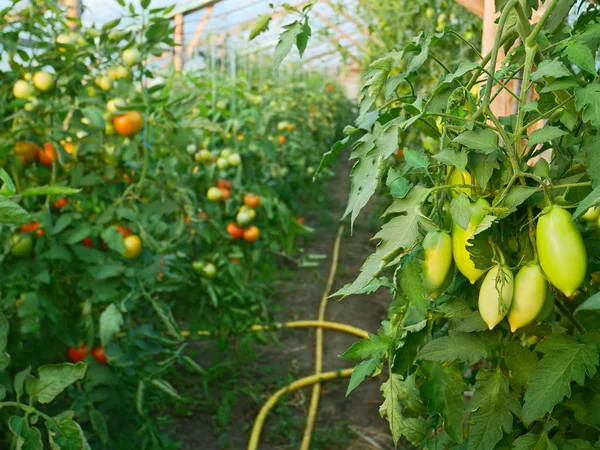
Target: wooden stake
x,y
73,13
178,38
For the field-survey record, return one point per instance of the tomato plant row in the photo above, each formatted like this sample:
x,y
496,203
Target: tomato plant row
x,y
135,204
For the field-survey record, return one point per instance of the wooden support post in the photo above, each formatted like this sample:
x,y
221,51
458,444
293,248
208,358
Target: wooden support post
x,y
198,33
475,6
73,12
178,38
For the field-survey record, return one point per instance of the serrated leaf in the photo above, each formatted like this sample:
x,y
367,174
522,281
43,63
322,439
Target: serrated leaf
x,y
260,25
460,209
49,190
113,238
95,116
491,415
551,381
65,433
416,159
401,232
458,159
550,68
591,158
12,213
580,54
521,362
411,283
398,184
481,140
534,441
372,347
443,391
286,41
591,303
457,346
167,388
360,372
53,379
111,320
546,134
518,194
484,166
587,99
303,37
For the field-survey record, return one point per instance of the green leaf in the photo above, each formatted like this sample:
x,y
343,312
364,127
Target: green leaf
x,y
95,116
53,379
11,213
534,441
591,158
167,388
111,320
550,68
458,159
75,236
416,159
592,199
591,303
518,194
303,37
587,99
260,25
577,444
411,283
113,238
99,425
481,140
551,381
580,54
401,232
460,209
28,438
4,328
484,167
546,134
361,371
66,434
444,394
19,381
521,362
49,190
585,406
372,347
398,184
4,176
286,41
462,347
491,415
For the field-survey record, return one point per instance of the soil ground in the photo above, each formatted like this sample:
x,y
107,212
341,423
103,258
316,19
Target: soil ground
x,y
351,423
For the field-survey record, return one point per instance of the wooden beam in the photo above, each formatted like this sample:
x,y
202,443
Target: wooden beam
x,y
192,7
178,38
361,26
198,33
336,41
339,31
474,6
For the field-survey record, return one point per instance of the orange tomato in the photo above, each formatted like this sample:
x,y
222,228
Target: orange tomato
x,y
29,227
39,232
124,231
26,151
128,124
235,260
224,184
400,152
281,139
251,200
301,220
46,154
251,234
203,215
100,355
69,147
329,88
60,203
225,193
235,231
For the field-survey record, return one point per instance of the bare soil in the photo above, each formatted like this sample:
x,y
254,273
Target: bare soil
x,y
351,423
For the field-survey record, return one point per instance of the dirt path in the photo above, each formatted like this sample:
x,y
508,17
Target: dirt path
x,y
342,423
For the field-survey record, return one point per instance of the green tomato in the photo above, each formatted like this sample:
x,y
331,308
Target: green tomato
x,y
202,156
198,266
529,298
22,89
234,159
191,149
591,214
437,247
131,56
44,81
214,194
103,82
210,270
114,105
243,218
222,163
561,250
495,295
226,153
22,245
460,241
458,177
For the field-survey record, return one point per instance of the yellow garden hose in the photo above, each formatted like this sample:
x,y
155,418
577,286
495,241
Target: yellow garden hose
x,y
316,391
302,382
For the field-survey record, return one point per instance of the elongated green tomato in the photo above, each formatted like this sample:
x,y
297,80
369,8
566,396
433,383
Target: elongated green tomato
x,y
460,238
437,247
460,177
561,250
495,295
529,298
591,214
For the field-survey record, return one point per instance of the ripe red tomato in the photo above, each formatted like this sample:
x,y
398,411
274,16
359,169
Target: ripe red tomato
x,y
128,124
203,215
77,354
224,184
251,200
235,260
235,231
100,355
251,234
87,242
60,203
400,152
29,227
124,231
46,154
